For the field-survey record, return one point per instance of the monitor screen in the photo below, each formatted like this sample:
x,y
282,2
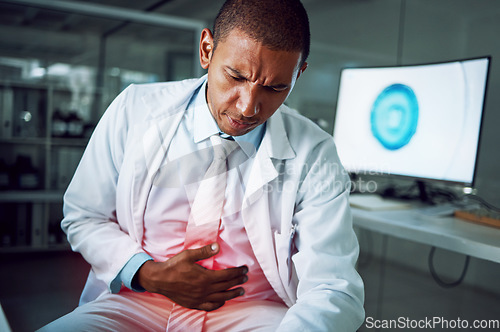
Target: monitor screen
x,y
420,121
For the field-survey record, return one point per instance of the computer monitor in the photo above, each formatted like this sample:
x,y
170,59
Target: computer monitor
x,y
420,121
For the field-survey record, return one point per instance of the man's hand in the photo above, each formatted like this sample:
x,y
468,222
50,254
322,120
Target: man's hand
x,y
191,285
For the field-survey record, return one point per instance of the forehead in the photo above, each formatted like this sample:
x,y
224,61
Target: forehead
x,y
243,53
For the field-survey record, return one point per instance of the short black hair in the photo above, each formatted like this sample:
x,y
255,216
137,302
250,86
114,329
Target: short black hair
x,y
281,25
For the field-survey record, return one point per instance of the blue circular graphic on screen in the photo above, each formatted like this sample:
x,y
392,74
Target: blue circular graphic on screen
x,y
394,116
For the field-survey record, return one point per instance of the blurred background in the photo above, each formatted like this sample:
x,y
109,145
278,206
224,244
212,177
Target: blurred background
x,y
63,62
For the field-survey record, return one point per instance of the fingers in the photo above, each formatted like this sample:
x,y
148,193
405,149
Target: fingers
x,y
207,302
230,274
228,284
202,253
226,295
217,300
217,276
210,306
213,281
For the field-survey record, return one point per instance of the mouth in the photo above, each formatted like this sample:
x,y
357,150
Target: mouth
x,y
240,125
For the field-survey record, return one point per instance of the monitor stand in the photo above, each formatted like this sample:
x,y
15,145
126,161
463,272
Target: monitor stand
x,y
422,192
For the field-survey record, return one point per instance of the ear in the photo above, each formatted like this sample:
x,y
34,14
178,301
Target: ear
x,y
206,48
302,69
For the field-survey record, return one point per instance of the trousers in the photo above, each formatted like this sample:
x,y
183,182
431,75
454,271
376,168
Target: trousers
x,y
132,311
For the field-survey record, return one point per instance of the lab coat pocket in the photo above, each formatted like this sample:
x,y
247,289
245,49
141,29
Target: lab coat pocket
x,y
284,249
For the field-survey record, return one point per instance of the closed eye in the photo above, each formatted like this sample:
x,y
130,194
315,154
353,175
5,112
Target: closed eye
x,y
237,78
234,75
279,88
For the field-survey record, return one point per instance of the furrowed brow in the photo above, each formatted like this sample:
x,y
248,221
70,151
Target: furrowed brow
x,y
278,87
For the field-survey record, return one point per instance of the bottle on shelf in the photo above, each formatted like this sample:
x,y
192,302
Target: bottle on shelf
x,y
67,125
59,124
75,125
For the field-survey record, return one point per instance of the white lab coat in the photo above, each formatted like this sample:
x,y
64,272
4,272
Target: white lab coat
x,y
297,190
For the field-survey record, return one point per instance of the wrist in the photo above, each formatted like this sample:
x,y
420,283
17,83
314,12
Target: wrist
x,y
128,275
144,276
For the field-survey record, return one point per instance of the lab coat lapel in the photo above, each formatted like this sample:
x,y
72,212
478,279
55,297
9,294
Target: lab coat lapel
x,y
262,172
275,145
166,108
255,212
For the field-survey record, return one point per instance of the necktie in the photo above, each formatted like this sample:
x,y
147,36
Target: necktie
x,y
203,225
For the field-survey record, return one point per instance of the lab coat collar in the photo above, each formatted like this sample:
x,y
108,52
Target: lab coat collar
x,y
204,124
174,98
275,145
275,139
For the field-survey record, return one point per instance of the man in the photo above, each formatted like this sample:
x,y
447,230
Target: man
x,y
284,252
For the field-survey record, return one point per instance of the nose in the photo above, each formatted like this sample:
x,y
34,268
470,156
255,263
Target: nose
x,y
248,102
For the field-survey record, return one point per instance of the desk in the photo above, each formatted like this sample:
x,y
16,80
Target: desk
x,y
443,232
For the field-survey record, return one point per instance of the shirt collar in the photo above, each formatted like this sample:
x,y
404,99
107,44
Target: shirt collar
x,y
206,126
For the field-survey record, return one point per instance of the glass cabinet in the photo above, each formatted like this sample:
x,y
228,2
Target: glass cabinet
x,y
59,70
